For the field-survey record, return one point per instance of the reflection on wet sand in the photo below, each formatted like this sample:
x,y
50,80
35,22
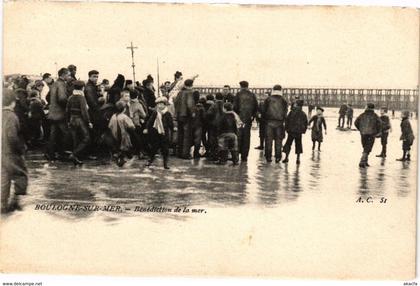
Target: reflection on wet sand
x,y
330,175
405,179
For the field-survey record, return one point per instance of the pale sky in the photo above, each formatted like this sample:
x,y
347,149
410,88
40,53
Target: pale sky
x,y
292,46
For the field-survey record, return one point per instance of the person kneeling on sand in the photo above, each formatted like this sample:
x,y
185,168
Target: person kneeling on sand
x,y
228,138
121,125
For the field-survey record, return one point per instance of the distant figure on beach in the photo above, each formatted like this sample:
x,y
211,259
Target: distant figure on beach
x,y
311,107
342,115
349,114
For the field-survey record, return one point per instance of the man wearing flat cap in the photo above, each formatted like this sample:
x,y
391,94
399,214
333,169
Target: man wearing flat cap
x,y
245,104
369,124
57,114
274,112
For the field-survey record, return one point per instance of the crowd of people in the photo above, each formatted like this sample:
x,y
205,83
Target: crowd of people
x,y
73,121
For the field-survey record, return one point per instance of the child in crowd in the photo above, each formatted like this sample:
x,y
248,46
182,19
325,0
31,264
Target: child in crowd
x,y
160,127
318,123
137,113
36,118
407,136
228,138
386,128
121,126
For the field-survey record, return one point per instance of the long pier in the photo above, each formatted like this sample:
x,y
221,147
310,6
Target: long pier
x,y
397,99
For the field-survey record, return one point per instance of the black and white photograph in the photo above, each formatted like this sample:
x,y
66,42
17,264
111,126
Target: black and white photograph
x,y
209,140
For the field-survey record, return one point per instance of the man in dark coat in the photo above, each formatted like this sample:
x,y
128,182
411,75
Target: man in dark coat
x,y
246,106
13,166
114,93
349,114
386,128
91,93
342,115
207,103
57,114
261,121
296,125
198,123
185,111
149,94
79,121
274,112
92,99
72,69
369,125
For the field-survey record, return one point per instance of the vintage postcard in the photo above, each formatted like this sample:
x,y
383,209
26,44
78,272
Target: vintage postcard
x,y
146,139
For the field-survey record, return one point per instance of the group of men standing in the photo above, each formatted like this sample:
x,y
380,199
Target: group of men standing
x,y
80,119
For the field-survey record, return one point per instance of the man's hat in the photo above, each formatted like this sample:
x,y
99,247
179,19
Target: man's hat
x,y
370,106
277,87
128,81
188,82
243,84
320,108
